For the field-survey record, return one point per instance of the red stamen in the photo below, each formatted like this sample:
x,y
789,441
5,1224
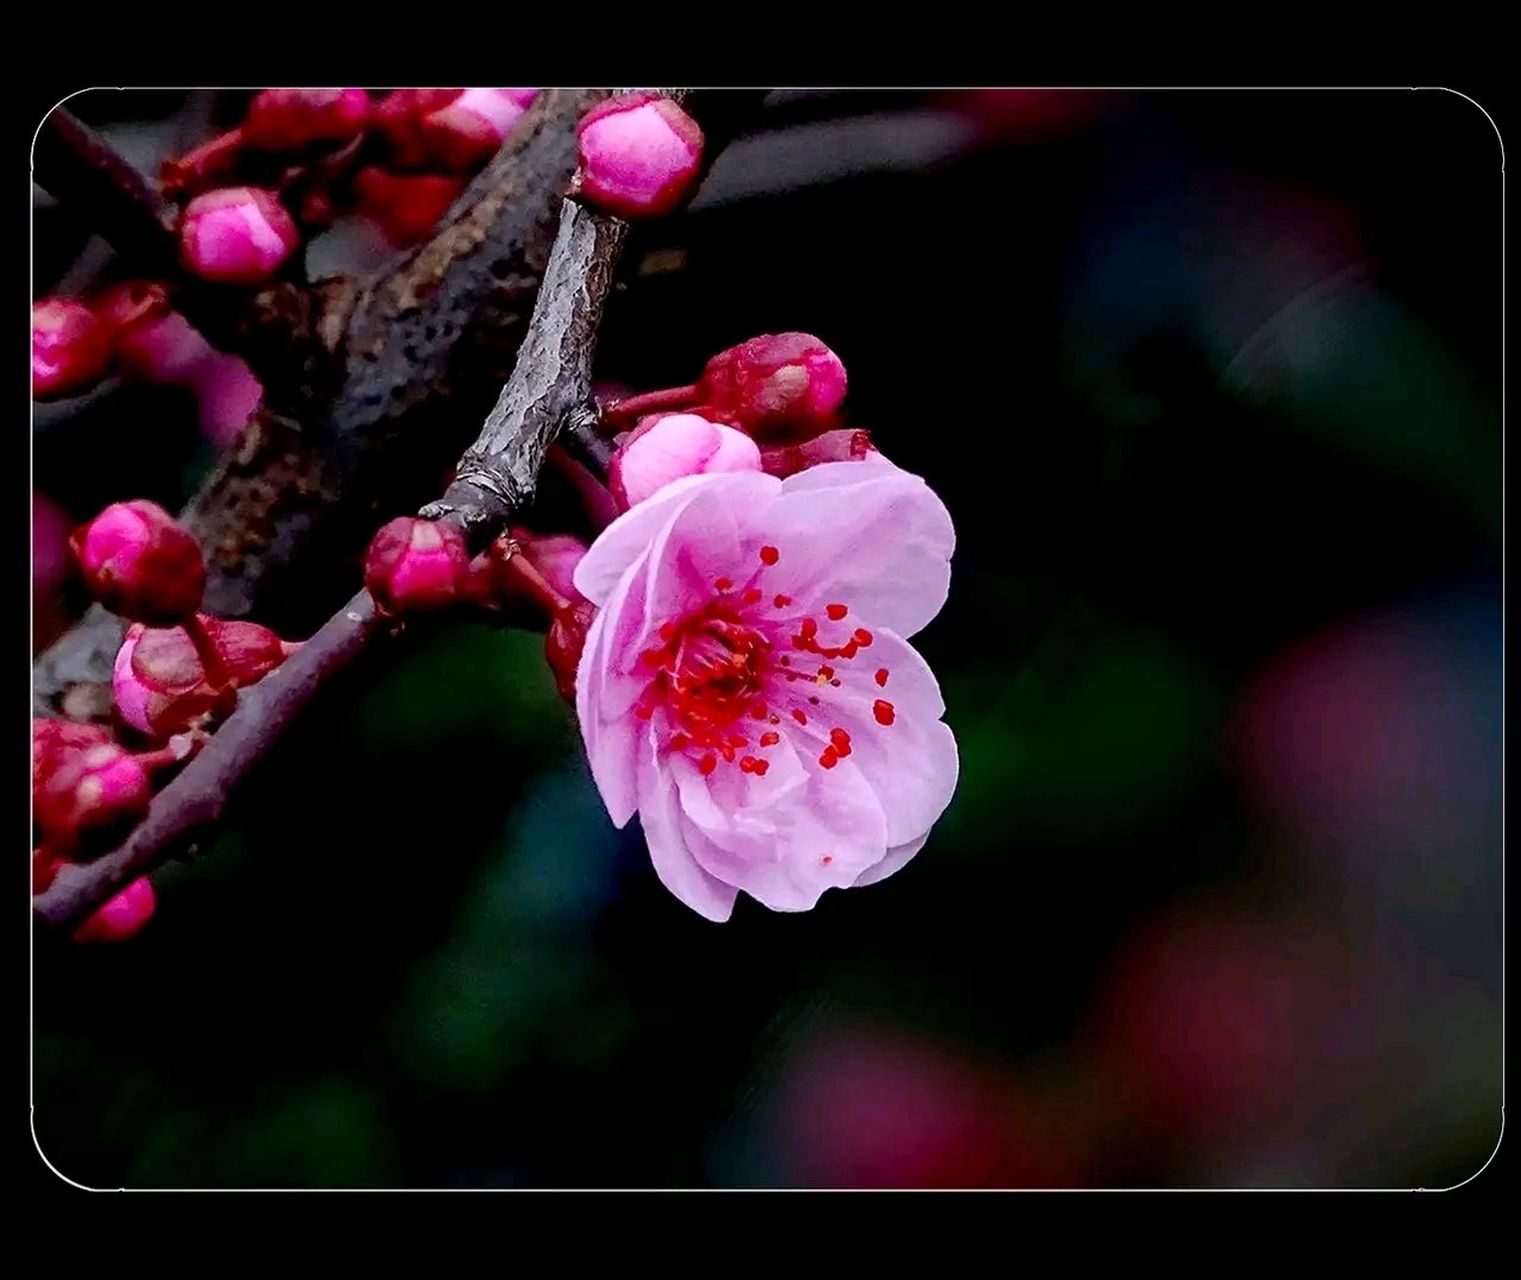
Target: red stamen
x,y
800,716
769,555
770,739
882,676
679,742
835,611
840,740
752,596
863,637
829,758
707,764
723,584
781,602
883,711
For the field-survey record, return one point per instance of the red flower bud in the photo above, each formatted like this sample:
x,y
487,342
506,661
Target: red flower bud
x,y
775,386
563,645
237,235
54,739
467,131
139,562
832,446
91,794
407,206
399,116
640,155
161,683
415,564
122,916
71,349
290,119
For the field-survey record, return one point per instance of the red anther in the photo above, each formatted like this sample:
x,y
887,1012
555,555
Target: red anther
x,y
707,764
770,739
814,700
883,711
644,711
679,742
770,555
759,768
882,676
808,628
835,611
840,740
829,758
800,715
781,602
723,584
863,637
826,673
752,596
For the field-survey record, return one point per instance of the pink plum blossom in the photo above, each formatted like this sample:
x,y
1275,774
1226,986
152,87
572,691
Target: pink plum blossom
x,y
672,446
748,688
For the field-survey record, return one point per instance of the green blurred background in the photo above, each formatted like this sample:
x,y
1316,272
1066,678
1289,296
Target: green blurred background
x,y
1210,384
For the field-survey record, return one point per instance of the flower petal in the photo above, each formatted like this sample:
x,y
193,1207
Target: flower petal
x,y
820,835
896,860
631,534
876,538
912,763
660,816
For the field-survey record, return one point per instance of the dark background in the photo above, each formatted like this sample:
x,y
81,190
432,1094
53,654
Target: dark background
x,y
1210,383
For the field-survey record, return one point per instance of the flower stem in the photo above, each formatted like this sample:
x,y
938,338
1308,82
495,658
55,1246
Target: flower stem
x,y
617,415
206,650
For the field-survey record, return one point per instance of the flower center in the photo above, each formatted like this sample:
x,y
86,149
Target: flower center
x,y
746,654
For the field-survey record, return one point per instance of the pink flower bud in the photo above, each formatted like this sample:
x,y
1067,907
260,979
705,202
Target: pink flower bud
x,y
833,446
415,564
667,447
237,235
566,640
53,740
289,119
71,349
161,684
122,916
775,386
640,155
468,130
407,206
141,563
91,793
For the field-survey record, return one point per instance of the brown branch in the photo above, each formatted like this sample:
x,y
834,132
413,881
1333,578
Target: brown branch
x,y
416,357
549,382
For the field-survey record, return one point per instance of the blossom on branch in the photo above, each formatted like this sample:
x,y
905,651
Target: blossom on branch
x,y
747,686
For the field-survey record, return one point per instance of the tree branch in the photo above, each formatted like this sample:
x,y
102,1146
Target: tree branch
x,y
417,355
497,474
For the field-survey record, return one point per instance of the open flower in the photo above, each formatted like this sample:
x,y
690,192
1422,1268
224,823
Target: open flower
x,y
747,687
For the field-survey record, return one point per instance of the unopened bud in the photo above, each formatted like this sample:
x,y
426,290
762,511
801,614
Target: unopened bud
x,y
71,348
91,794
237,235
407,206
161,684
671,446
290,119
141,563
776,386
640,155
122,916
414,564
